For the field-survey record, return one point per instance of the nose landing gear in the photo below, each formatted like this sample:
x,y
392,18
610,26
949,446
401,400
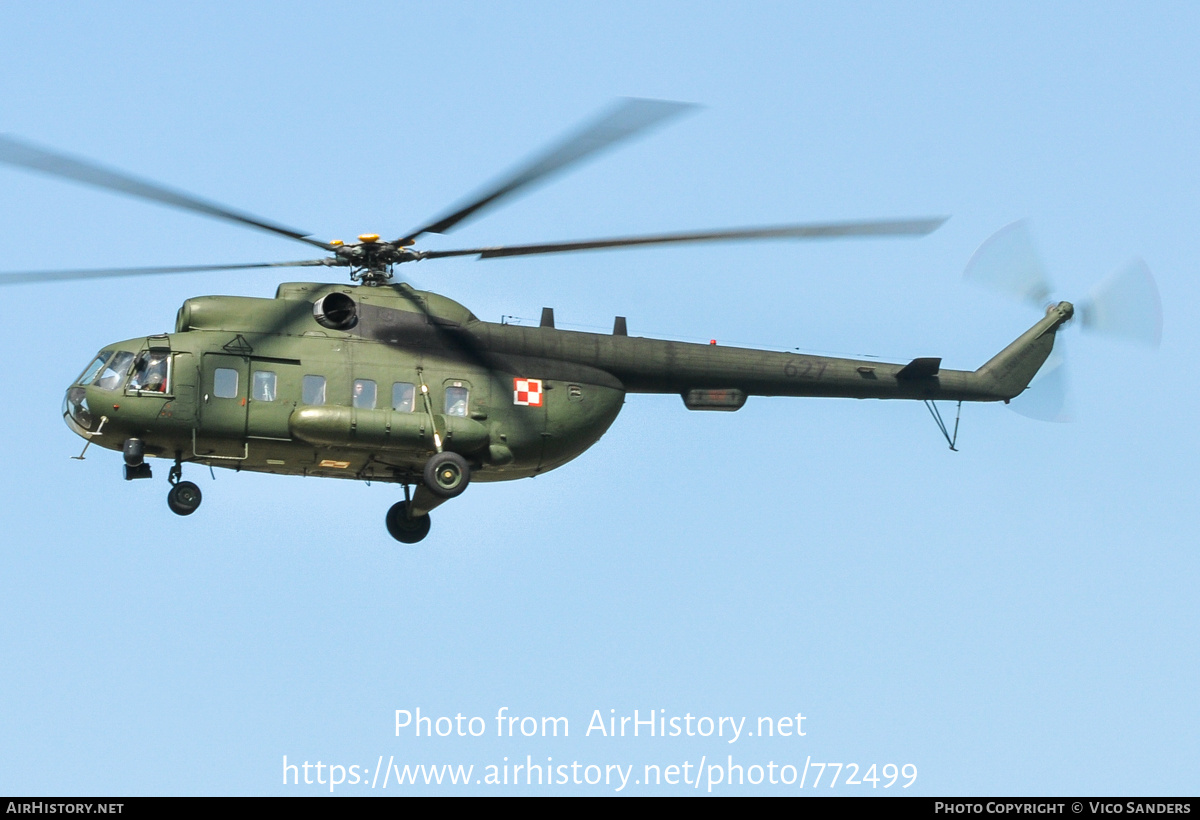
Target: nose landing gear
x,y
184,497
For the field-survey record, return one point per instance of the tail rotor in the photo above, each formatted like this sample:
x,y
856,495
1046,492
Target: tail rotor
x,y
1125,305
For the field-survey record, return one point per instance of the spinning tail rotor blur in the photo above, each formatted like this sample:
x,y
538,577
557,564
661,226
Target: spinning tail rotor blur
x,y
1125,305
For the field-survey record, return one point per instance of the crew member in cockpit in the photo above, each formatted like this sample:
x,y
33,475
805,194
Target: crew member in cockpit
x,y
150,374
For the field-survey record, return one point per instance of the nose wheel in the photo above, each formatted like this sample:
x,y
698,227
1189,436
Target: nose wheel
x,y
184,497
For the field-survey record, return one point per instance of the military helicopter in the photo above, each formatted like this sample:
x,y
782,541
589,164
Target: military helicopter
x,y
375,380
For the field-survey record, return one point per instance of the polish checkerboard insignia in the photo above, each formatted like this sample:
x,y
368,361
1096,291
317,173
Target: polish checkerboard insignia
x,y
527,392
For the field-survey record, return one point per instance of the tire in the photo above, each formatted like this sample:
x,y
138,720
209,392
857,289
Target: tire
x,y
184,498
404,529
447,475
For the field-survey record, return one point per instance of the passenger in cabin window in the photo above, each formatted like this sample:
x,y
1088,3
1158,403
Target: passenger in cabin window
x,y
264,385
456,401
364,394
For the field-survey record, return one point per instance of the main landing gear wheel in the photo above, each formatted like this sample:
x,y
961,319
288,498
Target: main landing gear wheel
x,y
447,474
184,498
406,529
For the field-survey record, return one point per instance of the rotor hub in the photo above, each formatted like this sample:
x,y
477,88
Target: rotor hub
x,y
370,260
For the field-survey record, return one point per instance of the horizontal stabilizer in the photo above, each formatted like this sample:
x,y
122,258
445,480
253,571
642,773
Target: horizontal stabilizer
x,y
924,368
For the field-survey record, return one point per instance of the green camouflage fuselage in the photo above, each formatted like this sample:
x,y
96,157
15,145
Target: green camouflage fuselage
x,y
399,380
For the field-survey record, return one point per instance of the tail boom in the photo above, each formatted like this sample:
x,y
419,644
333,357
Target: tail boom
x,y
657,366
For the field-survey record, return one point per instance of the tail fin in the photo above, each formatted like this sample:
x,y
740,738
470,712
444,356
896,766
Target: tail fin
x,y
1010,371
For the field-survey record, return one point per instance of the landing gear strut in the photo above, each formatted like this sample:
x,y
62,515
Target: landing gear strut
x,y
184,497
445,476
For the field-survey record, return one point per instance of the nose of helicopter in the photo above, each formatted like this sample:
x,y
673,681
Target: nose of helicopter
x,y
76,414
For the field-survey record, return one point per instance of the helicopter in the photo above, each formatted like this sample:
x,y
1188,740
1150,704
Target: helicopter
x,y
374,380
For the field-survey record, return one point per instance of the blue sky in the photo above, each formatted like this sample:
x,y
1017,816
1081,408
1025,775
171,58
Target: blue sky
x,y
1018,617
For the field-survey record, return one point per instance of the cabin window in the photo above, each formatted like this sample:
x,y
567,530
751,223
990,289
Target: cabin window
x,y
456,401
403,395
225,383
312,391
263,386
364,394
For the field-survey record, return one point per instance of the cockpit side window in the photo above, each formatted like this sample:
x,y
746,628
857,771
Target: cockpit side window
x,y
113,373
150,372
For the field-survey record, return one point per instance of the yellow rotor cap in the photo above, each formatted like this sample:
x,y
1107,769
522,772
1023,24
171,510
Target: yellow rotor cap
x,y
368,237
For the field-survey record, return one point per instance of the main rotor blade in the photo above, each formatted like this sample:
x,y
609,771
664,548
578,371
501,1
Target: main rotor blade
x,y
26,277
628,118
828,230
1008,262
24,155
